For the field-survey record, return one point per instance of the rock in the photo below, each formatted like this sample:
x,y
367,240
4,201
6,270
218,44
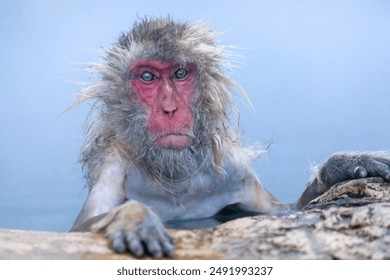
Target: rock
x,y
350,221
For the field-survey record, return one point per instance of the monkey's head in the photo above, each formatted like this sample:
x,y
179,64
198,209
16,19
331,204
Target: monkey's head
x,y
164,99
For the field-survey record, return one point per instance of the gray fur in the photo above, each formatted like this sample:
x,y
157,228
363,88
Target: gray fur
x,y
195,182
118,125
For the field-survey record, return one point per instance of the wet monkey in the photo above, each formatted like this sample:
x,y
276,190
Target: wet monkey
x,y
161,146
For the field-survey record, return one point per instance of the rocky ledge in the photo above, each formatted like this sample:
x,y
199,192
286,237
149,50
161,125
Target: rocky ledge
x,y
350,221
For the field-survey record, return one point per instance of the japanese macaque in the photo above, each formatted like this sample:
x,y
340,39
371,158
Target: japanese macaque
x,y
162,147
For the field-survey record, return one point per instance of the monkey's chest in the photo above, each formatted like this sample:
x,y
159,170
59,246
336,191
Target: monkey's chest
x,y
198,197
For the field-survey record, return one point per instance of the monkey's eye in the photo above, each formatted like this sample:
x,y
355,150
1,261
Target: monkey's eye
x,y
180,73
147,76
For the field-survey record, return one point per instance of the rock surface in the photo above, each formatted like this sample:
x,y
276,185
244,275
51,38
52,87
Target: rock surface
x,y
350,221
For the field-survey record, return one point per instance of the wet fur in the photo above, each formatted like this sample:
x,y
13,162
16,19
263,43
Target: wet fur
x,y
117,127
135,185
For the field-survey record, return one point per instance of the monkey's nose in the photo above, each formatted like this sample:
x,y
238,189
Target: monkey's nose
x,y
170,112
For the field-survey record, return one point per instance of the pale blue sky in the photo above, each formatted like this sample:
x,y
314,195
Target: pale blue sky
x,y
318,74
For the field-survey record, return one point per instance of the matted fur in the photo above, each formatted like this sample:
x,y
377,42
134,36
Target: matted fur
x,y
117,126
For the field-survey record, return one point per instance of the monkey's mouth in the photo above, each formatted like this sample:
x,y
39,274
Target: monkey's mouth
x,y
174,140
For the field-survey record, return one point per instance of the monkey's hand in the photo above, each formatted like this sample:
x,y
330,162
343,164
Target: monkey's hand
x,y
133,227
346,166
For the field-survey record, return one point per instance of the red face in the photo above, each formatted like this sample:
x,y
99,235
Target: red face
x,y
165,89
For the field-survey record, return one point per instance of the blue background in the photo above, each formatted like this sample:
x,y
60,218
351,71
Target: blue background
x,y
317,72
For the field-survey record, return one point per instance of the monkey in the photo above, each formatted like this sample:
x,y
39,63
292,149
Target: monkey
x,y
162,144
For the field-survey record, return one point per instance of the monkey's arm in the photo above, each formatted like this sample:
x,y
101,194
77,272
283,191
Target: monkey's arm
x,y
107,193
346,166
130,226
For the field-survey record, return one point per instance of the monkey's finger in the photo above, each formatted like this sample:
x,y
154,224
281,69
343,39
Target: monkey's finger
x,y
154,248
118,241
166,242
168,237
151,237
134,244
381,169
383,158
158,242
167,247
360,172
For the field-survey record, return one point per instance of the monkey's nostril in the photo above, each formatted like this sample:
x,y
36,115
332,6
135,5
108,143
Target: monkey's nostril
x,y
170,113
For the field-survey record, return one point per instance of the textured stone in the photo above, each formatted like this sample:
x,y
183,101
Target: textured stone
x,y
350,221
